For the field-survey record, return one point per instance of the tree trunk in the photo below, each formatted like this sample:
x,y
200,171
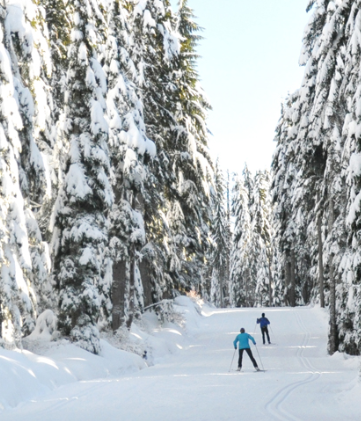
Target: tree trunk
x,y
270,279
228,262
131,288
119,280
288,280
246,278
293,280
333,326
227,294
145,275
332,341
118,290
221,281
132,264
320,262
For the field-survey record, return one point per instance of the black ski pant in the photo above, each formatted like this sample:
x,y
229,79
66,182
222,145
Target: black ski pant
x,y
249,352
264,330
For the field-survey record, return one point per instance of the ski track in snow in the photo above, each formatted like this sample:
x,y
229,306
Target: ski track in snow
x,y
274,405
301,382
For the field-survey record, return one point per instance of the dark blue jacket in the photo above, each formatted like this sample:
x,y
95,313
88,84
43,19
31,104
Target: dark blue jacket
x,y
263,321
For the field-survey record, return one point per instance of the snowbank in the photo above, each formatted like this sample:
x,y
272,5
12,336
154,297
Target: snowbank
x,y
52,364
160,342
29,375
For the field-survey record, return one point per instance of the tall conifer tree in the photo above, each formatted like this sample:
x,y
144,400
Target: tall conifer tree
x,y
220,246
86,194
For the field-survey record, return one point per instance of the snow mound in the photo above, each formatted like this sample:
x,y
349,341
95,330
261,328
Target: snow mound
x,y
161,340
55,363
29,375
46,327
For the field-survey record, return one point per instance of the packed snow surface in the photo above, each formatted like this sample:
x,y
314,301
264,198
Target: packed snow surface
x,y
190,379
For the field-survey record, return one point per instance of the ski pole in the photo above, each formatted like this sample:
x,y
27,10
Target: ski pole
x,y
232,360
272,331
254,329
259,358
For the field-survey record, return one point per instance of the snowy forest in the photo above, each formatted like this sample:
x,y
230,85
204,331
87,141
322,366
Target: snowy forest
x,y
105,173
110,201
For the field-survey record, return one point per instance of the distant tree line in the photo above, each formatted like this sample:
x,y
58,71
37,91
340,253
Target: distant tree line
x,y
315,246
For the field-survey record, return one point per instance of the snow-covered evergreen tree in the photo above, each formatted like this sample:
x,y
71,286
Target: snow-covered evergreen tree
x,y
174,114
240,256
220,241
345,226
253,246
318,151
264,237
26,67
18,303
128,146
81,236
88,84
191,136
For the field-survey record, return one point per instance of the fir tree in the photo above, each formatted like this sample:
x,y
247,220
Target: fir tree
x,y
18,303
345,325
26,69
130,150
317,140
240,256
191,137
86,194
263,232
220,249
252,252
174,114
88,85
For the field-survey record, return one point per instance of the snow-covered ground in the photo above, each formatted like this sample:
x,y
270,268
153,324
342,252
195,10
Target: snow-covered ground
x,y
190,378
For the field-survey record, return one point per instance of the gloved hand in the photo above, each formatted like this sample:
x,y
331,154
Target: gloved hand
x,y
235,347
255,343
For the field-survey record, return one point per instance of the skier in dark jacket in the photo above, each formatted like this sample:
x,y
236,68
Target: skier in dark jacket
x,y
243,339
264,322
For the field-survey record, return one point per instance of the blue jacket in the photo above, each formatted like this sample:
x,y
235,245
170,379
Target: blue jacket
x,y
263,321
243,339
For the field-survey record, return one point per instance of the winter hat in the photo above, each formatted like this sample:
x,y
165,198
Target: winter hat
x,y
262,314
242,330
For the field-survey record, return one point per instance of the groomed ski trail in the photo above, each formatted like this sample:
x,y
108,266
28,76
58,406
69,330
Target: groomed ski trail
x,y
301,382
274,406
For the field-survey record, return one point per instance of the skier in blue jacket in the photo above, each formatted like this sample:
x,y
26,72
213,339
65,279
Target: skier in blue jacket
x,y
243,339
264,322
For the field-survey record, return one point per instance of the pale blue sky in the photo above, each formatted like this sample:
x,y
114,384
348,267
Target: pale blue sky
x,y
249,62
